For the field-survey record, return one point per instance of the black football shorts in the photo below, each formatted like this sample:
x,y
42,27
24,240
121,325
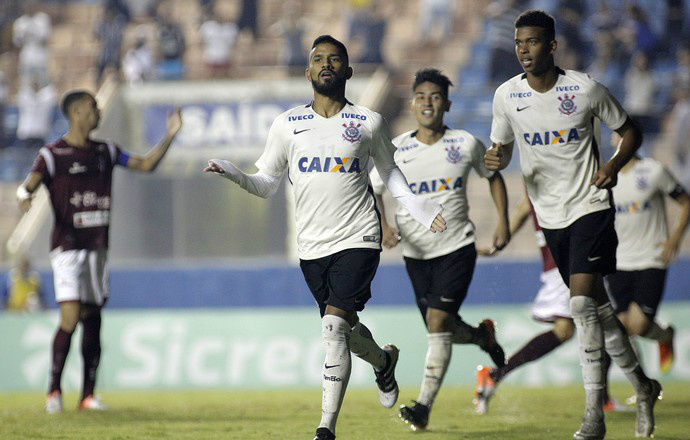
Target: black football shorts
x,y
442,282
343,279
645,287
586,246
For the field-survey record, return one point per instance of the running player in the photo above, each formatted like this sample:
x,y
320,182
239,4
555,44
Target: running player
x,y
437,161
551,305
326,145
549,112
77,171
646,249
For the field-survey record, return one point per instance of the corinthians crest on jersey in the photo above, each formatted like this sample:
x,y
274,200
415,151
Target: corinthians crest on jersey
x,y
454,155
568,105
352,133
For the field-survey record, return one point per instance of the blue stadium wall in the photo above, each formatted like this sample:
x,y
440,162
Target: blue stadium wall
x,y
227,287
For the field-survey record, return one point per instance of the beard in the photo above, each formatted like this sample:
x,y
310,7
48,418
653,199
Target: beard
x,y
329,88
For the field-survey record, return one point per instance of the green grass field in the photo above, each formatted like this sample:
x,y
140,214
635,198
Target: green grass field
x,y
516,413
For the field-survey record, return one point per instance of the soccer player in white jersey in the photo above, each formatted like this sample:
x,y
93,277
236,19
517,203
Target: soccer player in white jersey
x,y
326,146
549,114
645,249
437,161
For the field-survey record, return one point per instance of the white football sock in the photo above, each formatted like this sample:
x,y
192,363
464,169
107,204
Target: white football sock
x,y
437,358
621,351
363,345
590,339
336,369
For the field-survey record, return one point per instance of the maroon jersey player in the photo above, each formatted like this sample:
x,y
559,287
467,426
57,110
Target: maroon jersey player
x,y
77,171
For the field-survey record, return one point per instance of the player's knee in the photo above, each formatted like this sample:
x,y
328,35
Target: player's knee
x,y
361,330
68,324
581,305
89,312
637,327
564,329
634,320
69,317
439,321
334,328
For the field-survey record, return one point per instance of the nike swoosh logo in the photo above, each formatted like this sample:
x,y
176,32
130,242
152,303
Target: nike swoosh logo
x,y
590,259
522,108
330,366
446,300
590,350
295,131
407,160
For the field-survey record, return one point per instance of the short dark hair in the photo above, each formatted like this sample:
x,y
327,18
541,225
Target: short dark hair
x,y
538,19
433,76
329,39
71,97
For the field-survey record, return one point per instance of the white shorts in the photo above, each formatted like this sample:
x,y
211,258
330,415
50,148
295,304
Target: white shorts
x,y
553,298
80,275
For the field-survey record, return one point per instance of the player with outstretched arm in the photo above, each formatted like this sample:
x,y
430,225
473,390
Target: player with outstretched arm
x,y
326,146
77,171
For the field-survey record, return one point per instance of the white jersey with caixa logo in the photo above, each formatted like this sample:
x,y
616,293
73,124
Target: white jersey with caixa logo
x,y
554,134
327,161
439,172
641,214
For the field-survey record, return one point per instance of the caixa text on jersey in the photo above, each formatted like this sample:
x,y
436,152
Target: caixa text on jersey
x,y
329,164
552,137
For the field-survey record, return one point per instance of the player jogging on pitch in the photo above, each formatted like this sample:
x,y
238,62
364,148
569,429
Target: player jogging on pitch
x,y
77,171
646,249
549,113
437,161
326,146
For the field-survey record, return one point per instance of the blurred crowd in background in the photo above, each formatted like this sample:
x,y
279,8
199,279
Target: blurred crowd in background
x,y
639,49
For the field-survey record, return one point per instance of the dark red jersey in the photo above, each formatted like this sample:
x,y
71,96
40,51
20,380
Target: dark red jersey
x,y
549,263
79,181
